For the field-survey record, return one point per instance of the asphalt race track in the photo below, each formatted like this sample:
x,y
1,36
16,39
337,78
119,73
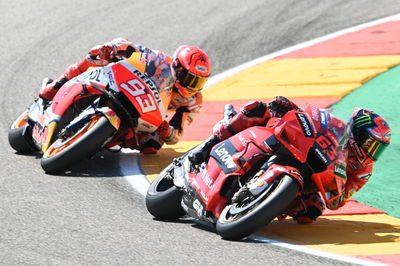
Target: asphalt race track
x,y
90,215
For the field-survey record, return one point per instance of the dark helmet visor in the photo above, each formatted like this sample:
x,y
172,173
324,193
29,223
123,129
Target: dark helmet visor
x,y
374,148
187,79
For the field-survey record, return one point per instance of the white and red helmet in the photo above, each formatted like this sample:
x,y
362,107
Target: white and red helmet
x,y
191,68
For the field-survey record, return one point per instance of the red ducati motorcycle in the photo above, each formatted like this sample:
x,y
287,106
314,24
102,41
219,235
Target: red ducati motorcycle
x,y
252,177
97,110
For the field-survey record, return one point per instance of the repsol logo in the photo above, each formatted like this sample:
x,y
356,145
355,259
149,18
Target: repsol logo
x,y
305,124
149,83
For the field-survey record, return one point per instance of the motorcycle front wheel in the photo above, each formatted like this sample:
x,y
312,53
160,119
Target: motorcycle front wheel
x,y
19,137
241,219
163,198
63,153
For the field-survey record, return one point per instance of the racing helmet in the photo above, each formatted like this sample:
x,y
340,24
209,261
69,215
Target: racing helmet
x,y
369,135
190,69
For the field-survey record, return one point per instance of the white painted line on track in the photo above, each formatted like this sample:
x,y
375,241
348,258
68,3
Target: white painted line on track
x,y
313,251
132,171
232,71
133,174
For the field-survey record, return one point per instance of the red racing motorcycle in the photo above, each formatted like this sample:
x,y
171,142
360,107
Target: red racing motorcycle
x,y
96,110
252,177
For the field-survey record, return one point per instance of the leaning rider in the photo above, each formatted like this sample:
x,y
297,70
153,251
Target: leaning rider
x,y
368,136
183,75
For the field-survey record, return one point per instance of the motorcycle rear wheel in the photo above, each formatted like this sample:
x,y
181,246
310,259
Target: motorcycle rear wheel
x,y
85,142
238,221
163,198
18,137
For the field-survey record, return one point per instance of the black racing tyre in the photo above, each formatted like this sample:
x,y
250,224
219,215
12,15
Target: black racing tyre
x,y
238,221
163,199
85,142
19,137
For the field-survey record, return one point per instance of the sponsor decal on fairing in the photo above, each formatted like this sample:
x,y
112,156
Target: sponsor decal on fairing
x,y
340,170
223,154
324,119
305,125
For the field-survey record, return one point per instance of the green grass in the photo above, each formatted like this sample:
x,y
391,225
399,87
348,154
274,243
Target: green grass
x,y
382,95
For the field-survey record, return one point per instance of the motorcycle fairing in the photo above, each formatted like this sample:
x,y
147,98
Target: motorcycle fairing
x,y
102,76
62,101
331,181
44,124
89,112
68,93
290,132
222,153
274,171
228,161
325,148
143,94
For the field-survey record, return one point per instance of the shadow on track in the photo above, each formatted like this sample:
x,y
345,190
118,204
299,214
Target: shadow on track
x,y
331,231
102,165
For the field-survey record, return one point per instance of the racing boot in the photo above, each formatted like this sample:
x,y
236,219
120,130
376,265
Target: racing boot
x,y
50,87
201,153
149,143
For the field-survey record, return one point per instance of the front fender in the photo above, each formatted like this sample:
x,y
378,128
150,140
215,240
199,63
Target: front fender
x,y
274,171
87,114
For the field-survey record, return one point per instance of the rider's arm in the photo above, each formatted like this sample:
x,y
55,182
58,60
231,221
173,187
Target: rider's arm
x,y
252,114
95,58
255,113
185,115
119,46
356,179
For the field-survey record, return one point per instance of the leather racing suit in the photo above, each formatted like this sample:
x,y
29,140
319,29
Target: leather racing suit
x,y
308,206
155,64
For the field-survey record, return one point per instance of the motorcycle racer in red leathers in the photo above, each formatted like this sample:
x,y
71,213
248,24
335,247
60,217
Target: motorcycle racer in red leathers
x,y
365,136
183,76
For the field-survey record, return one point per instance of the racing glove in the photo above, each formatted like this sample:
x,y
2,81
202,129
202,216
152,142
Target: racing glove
x,y
280,105
108,51
314,207
50,88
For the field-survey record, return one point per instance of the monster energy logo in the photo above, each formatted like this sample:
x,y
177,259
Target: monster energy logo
x,y
361,121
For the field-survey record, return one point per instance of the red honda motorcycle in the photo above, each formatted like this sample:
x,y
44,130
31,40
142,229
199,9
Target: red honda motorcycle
x,y
252,177
97,110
